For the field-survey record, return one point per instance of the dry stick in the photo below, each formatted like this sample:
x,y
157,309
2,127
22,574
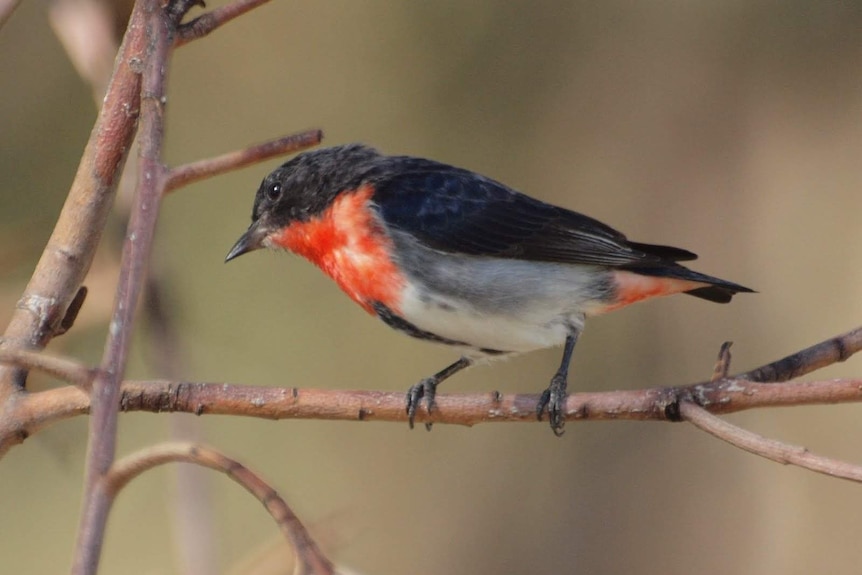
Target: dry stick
x,y
60,367
72,245
38,410
722,364
719,396
195,171
308,555
833,350
203,25
770,448
189,479
136,253
30,414
466,408
784,453
70,250
93,55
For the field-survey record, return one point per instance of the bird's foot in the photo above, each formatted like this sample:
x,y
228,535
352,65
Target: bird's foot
x,y
426,388
554,400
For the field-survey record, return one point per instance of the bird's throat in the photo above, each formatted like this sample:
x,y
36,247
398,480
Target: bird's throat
x,y
349,245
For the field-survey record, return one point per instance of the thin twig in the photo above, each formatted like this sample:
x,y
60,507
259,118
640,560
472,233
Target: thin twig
x,y
195,171
136,253
784,453
60,367
722,364
833,350
310,558
206,23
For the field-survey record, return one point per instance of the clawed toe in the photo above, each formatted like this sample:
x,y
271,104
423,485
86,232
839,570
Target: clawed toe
x,y
553,400
427,389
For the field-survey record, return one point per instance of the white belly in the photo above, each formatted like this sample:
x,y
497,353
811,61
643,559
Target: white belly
x,y
507,305
535,319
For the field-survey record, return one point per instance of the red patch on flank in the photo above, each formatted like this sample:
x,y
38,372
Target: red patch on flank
x,y
631,287
348,244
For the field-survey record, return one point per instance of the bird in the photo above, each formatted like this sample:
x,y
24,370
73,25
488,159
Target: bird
x,y
449,256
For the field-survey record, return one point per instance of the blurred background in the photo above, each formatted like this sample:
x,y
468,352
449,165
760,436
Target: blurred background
x,y
733,129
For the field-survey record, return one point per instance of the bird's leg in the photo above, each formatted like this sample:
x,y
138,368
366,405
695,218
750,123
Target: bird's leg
x,y
427,388
554,398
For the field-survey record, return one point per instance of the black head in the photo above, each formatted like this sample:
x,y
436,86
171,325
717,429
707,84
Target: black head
x,y
303,188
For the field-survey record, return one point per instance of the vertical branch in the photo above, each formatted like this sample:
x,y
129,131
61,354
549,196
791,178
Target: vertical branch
x,y
136,253
70,250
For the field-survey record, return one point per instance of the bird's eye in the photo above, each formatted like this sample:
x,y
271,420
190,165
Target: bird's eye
x,y
273,192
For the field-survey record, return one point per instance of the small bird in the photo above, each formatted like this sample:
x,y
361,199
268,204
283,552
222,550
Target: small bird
x,y
449,256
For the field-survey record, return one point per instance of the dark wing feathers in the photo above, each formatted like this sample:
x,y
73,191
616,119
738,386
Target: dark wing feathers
x,y
457,211
665,252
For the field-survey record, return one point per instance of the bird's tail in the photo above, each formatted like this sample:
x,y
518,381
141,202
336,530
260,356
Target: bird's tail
x,y
717,290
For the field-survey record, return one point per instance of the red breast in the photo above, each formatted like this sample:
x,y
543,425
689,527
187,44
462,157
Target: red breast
x,y
347,242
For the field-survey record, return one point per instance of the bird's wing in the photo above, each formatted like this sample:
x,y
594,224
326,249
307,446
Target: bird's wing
x,y
457,211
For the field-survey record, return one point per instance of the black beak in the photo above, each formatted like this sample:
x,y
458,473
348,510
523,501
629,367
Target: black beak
x,y
251,240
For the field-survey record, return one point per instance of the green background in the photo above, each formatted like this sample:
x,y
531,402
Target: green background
x,y
733,129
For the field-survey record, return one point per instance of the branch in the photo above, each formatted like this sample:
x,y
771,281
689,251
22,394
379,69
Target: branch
x,y
59,367
309,557
769,448
136,254
195,171
206,23
72,245
37,410
833,350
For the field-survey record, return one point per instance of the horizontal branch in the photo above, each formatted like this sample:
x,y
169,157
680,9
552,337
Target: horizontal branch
x,y
34,411
657,404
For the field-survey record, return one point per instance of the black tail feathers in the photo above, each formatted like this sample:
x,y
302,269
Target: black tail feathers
x,y
719,290
717,293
